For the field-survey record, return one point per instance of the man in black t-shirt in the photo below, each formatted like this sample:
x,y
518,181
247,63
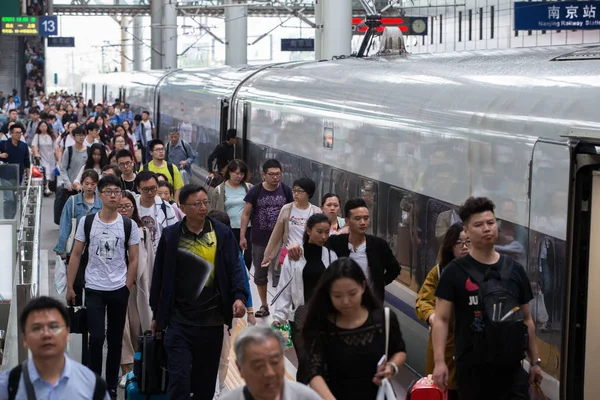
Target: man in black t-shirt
x,y
456,289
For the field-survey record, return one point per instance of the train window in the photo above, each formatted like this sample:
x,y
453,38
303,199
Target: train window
x,y
460,26
342,185
224,118
492,9
368,191
317,174
401,233
94,92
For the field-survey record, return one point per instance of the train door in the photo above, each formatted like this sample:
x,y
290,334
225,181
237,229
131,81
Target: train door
x,y
579,378
223,118
546,264
242,121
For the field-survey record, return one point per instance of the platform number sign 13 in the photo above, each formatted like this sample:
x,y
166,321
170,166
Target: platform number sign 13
x,y
48,26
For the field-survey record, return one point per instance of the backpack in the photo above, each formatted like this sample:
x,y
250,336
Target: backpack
x,y
500,336
87,229
287,191
70,151
169,167
185,148
14,378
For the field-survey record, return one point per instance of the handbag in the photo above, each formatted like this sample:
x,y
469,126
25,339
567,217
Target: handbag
x,y
282,255
386,391
71,238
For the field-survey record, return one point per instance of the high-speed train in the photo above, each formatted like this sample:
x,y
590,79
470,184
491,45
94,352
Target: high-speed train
x,y
415,135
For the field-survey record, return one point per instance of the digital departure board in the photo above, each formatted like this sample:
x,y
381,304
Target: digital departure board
x,y
21,26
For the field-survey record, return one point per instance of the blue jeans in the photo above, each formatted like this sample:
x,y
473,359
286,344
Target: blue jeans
x,y
198,347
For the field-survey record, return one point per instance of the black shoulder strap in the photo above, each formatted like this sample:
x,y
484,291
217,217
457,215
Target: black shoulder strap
x,y
163,207
14,377
145,167
167,148
289,196
185,148
99,389
127,225
507,267
170,168
87,227
70,151
256,194
470,270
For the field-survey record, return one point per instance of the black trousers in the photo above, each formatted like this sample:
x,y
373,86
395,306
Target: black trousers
x,y
492,382
111,305
198,347
248,251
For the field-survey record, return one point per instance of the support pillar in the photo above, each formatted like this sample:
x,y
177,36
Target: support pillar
x,y
138,46
236,32
169,35
49,6
124,24
156,7
337,28
319,29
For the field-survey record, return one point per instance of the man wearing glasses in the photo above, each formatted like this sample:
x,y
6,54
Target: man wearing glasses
x,y
154,212
111,241
127,168
159,165
264,202
197,287
49,372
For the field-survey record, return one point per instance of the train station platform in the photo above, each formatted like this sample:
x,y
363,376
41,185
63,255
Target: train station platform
x,y
48,237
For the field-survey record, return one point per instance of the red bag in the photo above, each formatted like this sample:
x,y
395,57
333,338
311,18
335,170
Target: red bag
x,y
35,172
425,389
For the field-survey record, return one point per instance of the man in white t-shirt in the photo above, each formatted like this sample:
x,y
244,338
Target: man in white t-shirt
x,y
109,275
154,212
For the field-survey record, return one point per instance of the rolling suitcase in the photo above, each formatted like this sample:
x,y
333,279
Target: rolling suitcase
x,y
425,389
150,364
132,390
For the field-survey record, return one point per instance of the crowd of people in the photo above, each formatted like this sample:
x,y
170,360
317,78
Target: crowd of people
x,y
148,250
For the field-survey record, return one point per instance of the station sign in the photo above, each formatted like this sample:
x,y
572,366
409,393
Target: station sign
x,y
61,41
298,44
414,26
29,26
557,15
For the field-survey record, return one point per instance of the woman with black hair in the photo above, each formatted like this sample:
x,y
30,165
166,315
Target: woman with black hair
x,y
291,221
299,279
455,244
345,336
331,204
96,160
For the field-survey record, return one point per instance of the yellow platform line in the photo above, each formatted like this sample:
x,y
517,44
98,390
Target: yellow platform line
x,y
233,378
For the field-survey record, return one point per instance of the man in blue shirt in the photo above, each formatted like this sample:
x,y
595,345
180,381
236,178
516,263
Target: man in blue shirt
x,y
180,153
126,113
50,372
112,117
14,151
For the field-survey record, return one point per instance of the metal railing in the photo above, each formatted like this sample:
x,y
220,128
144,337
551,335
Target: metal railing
x,y
26,277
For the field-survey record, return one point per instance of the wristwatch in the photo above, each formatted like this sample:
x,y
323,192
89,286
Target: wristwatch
x,y
536,363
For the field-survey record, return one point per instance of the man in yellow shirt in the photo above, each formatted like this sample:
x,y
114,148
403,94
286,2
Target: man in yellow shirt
x,y
159,165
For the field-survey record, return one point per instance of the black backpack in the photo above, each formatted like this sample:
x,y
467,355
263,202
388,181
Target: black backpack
x,y
499,333
14,378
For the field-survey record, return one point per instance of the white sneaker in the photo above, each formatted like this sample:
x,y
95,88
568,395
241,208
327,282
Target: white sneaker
x,y
123,381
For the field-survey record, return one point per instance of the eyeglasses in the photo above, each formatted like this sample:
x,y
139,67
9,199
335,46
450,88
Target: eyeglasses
x,y
298,191
149,189
125,164
159,149
54,328
125,207
462,243
198,204
111,193
273,174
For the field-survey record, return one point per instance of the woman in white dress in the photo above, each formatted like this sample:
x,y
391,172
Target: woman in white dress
x,y
44,146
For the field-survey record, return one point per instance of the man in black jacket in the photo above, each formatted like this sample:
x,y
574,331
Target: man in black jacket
x,y
223,153
197,287
372,253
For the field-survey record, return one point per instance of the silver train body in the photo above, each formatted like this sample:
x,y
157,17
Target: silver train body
x,y
415,136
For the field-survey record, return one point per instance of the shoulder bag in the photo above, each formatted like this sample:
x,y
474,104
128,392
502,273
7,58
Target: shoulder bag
x,y
71,238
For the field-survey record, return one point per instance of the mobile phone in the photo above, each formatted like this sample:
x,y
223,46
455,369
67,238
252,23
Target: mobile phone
x,y
381,360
